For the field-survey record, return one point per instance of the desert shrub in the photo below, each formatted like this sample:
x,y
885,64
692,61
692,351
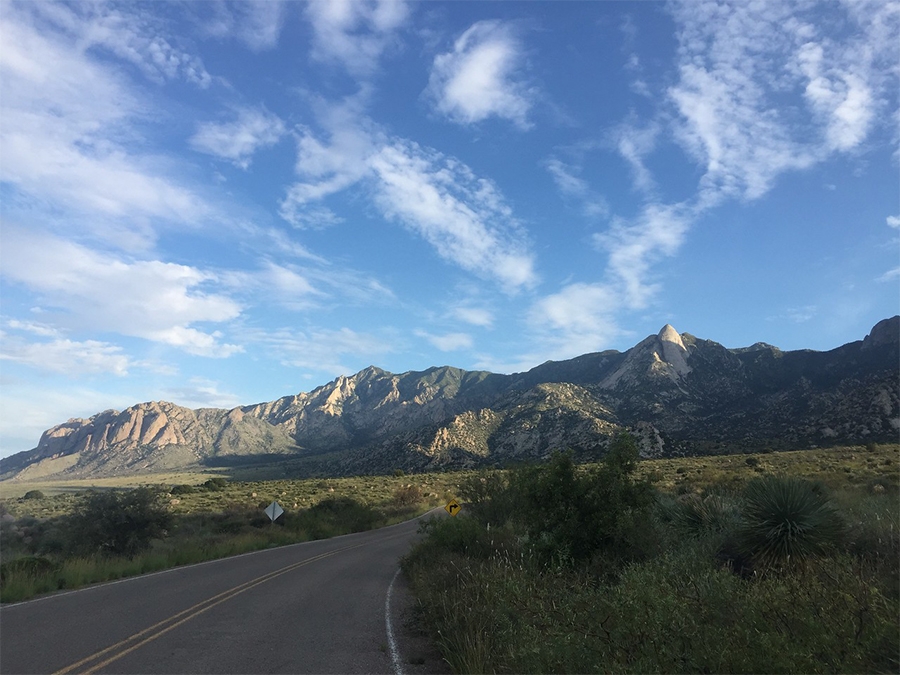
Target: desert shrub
x,y
406,496
215,484
119,523
572,515
183,489
696,516
33,494
337,515
786,518
488,497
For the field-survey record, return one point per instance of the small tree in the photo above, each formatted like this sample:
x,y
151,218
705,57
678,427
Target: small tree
x,y
119,523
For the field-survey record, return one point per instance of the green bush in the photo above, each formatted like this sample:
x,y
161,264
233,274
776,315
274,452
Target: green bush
x,y
573,515
215,484
119,523
183,489
786,518
33,494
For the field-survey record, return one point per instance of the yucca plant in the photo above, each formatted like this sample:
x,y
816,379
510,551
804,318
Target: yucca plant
x,y
787,518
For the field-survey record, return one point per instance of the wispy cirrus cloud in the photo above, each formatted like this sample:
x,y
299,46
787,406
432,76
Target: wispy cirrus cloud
x,y
572,186
62,355
256,23
475,316
354,33
68,119
238,140
464,217
481,77
447,342
87,289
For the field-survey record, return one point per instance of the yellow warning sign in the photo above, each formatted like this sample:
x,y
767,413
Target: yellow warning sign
x,y
453,507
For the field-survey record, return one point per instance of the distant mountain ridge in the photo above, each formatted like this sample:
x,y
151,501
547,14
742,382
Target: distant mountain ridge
x,y
678,393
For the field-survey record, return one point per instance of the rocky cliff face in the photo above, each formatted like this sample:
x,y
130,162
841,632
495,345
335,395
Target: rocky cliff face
x,y
678,393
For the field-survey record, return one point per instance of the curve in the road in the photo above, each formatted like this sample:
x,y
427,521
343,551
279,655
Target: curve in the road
x,y
323,616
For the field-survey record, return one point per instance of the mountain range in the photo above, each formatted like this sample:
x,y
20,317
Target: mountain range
x,y
679,394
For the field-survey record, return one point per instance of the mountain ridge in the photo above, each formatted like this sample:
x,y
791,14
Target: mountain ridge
x,y
680,394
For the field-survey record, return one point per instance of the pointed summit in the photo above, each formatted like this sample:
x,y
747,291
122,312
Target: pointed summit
x,y
673,350
669,334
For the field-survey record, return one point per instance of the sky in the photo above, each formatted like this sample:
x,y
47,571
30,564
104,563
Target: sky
x,y
222,203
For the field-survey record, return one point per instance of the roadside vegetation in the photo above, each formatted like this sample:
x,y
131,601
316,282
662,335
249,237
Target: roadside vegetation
x,y
786,562
54,538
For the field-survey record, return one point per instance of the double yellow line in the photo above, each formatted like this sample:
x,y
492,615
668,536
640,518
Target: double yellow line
x,y
104,657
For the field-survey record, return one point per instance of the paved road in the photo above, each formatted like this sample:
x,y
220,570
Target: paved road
x,y
317,607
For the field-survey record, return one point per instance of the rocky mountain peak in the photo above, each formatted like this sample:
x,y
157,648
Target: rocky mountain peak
x,y
674,353
884,332
669,334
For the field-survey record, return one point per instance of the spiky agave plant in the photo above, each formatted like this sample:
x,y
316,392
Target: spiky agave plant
x,y
787,518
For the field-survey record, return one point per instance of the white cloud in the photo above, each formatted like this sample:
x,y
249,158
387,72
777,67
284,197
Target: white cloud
x,y
65,356
464,217
92,290
449,342
571,186
238,140
66,118
633,247
330,167
634,144
131,34
890,275
480,77
476,316
893,221
256,23
737,67
578,319
354,33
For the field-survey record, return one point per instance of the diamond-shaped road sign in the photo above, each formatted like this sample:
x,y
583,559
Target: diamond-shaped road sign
x,y
274,510
453,507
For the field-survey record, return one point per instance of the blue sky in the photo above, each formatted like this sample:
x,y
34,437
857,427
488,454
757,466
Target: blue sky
x,y
222,203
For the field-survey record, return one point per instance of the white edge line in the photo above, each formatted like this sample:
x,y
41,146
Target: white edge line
x,y
102,584
392,643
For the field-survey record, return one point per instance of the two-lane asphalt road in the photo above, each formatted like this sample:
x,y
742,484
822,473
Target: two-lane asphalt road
x,y
316,607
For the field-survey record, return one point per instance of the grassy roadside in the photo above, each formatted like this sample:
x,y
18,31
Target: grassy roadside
x,y
206,523
552,572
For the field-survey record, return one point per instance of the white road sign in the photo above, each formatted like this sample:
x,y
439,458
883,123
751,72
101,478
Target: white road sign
x,y
274,510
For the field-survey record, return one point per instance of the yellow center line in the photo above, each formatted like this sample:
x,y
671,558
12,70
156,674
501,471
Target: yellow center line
x,y
188,614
